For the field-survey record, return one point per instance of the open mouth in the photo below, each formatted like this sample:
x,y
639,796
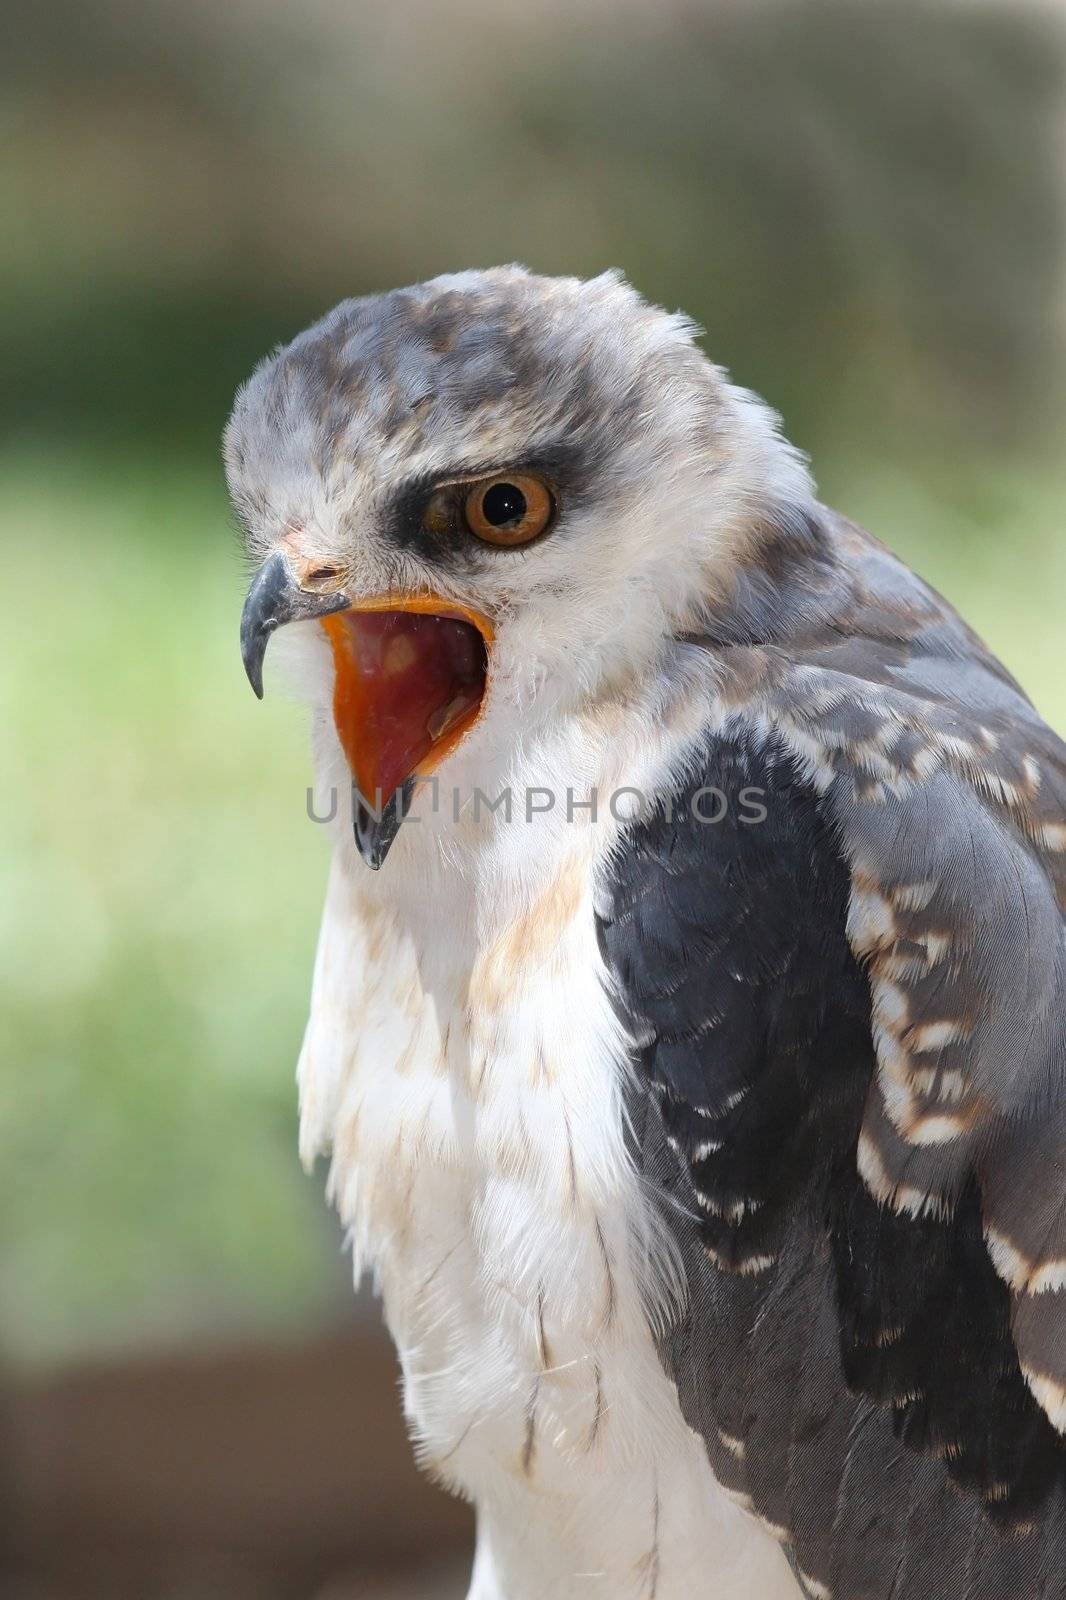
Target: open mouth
x,y
410,677
409,682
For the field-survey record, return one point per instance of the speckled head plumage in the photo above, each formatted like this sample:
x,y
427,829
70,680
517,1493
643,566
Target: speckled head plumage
x,y
663,481
340,435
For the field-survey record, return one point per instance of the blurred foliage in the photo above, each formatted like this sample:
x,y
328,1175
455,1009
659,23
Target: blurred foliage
x,y
861,203
161,884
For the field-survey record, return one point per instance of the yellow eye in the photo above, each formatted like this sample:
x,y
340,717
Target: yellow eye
x,y
509,510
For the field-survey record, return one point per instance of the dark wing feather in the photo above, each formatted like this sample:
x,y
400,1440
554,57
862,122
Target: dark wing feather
x,y
849,1025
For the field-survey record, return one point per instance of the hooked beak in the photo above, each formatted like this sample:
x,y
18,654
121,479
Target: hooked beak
x,y
410,675
275,598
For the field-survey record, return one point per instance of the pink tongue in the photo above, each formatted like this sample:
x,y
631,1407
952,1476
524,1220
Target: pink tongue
x,y
406,683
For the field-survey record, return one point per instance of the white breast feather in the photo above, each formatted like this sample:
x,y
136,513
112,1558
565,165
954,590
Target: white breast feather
x,y
464,1066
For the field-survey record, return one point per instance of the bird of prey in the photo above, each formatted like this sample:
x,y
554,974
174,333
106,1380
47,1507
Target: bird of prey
x,y
693,1067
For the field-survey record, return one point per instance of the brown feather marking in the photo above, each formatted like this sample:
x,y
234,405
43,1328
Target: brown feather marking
x,y
529,942
611,1302
647,1567
541,1075
597,1416
428,1279
434,1466
570,1162
529,1445
544,1348
377,929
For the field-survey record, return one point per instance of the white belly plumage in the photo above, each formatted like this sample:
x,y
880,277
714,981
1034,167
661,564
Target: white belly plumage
x,y
464,1067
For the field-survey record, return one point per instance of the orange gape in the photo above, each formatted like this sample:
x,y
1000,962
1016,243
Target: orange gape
x,y
409,681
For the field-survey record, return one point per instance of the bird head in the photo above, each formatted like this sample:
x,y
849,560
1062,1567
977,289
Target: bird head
x,y
498,495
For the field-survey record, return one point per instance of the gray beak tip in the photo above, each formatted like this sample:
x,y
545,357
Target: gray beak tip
x,y
252,653
376,830
253,667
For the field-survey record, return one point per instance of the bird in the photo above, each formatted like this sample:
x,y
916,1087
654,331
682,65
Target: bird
x,y
687,1034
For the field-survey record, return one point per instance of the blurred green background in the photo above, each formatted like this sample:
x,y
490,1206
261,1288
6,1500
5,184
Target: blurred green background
x,y
863,206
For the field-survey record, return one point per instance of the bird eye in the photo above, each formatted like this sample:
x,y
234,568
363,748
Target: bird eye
x,y
439,514
509,510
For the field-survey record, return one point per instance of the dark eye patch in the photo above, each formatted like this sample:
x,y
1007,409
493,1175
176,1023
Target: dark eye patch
x,y
425,516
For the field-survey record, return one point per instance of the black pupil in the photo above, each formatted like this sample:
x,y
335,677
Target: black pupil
x,y
503,503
